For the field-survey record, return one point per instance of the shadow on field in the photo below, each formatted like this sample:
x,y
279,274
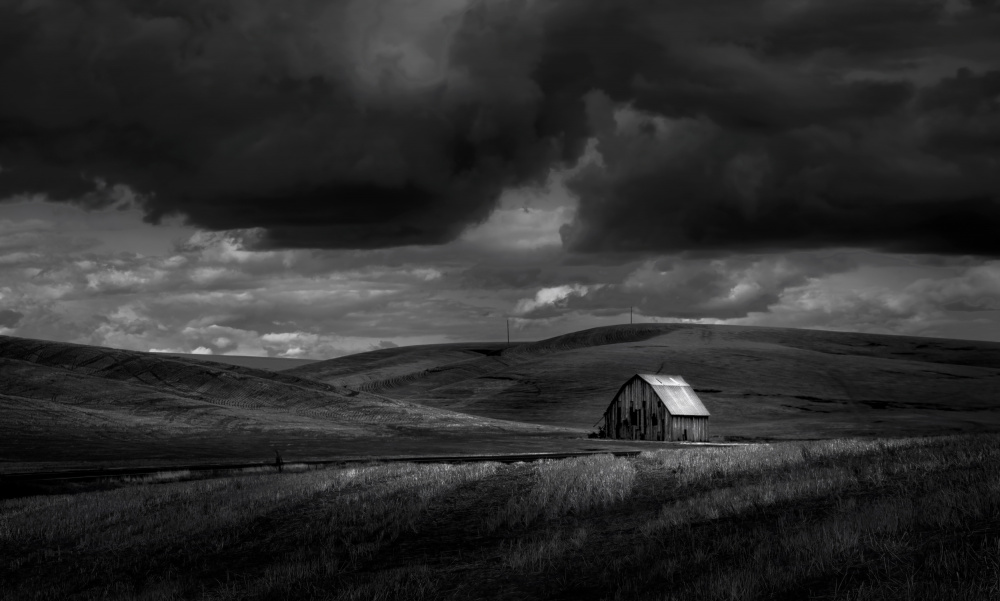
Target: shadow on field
x,y
841,519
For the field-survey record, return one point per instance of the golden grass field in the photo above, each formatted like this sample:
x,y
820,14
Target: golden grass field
x,y
846,519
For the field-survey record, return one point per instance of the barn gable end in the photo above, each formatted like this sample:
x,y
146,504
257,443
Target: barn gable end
x,y
656,407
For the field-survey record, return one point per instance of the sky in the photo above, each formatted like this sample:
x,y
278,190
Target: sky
x,y
322,177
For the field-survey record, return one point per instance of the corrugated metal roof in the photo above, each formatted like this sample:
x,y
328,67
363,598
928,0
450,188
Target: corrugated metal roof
x,y
676,394
660,380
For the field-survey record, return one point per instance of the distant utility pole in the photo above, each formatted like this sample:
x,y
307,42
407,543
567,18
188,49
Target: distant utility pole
x,y
508,332
630,315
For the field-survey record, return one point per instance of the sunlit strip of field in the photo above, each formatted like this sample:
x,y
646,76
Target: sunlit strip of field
x,y
844,519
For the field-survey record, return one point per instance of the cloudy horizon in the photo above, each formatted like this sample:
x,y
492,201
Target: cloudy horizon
x,y
335,176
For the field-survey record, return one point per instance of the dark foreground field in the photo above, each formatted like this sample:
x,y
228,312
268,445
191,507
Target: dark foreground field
x,y
914,518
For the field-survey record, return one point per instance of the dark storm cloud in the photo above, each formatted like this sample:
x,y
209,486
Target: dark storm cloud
x,y
337,124
9,318
767,141
513,276
295,118
963,119
695,185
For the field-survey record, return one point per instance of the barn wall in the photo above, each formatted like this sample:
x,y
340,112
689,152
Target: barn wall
x,y
696,428
636,413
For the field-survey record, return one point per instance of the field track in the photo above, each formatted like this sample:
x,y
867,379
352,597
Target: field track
x,y
97,474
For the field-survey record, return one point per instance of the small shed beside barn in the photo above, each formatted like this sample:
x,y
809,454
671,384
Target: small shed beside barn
x,y
655,407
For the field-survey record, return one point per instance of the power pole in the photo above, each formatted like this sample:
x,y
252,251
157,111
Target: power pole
x,y
508,333
630,315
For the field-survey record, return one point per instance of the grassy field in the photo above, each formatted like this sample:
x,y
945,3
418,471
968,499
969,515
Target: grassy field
x,y
61,401
73,404
851,519
759,383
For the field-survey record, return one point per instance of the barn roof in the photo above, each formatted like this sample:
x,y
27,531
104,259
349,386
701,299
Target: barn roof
x,y
676,394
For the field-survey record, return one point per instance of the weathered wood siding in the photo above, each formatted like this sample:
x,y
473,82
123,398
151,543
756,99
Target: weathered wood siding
x,y
637,413
687,428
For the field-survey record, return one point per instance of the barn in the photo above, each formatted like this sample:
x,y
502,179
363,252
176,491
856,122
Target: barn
x,y
656,407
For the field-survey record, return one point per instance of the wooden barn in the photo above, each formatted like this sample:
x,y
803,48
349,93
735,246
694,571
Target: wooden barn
x,y
657,407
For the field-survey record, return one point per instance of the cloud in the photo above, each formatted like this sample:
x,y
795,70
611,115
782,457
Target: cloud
x,y
212,291
292,344
849,291
926,306
678,287
9,318
367,124
975,289
329,124
209,291
520,228
113,279
549,298
530,218
719,288
673,184
752,129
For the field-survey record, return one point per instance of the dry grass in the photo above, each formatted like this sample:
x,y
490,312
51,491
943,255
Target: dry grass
x,y
537,555
344,515
851,520
572,486
846,519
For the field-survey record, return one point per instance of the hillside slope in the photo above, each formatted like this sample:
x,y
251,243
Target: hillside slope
x,y
757,382
266,363
386,369
59,398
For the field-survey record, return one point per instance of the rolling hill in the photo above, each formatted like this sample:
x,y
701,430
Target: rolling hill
x,y
757,382
58,400
268,363
409,369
